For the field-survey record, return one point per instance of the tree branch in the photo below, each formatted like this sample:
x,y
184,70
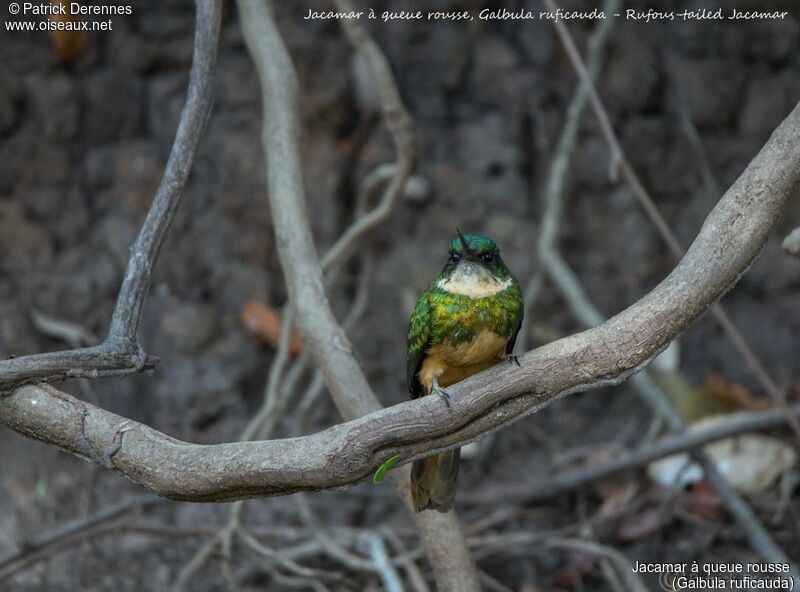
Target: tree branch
x,y
727,243
327,343
121,353
325,339
400,126
653,395
620,163
53,537
735,425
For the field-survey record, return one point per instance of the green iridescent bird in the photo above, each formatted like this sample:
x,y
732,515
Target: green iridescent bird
x,y
465,321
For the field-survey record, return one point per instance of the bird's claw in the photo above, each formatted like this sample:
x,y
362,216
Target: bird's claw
x,y
442,393
512,358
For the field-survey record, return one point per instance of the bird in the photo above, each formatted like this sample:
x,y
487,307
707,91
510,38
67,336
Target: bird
x,y
464,322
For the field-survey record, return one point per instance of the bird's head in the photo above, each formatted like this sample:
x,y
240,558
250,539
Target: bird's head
x,y
474,267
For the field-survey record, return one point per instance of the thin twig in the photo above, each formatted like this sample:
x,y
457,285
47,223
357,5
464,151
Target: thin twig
x,y
280,559
116,528
556,178
736,424
226,537
297,582
620,162
53,537
493,584
70,333
712,187
275,398
399,124
383,564
121,353
622,564
331,547
73,335
197,561
413,572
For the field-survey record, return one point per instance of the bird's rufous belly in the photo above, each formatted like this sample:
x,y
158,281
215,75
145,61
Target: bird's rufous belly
x,y
449,363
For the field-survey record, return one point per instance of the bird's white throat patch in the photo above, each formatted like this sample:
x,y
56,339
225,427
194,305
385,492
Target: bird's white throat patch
x,y
473,281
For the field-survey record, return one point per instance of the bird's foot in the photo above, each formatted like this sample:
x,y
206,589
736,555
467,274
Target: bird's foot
x,y
512,358
437,390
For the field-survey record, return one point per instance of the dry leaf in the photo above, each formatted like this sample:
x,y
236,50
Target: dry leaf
x,y
656,510
265,322
571,575
643,523
735,394
750,462
69,45
704,501
616,499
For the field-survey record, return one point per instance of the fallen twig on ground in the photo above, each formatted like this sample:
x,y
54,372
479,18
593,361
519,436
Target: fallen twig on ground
x,y
529,492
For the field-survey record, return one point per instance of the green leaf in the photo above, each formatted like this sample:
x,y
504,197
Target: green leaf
x,y
380,474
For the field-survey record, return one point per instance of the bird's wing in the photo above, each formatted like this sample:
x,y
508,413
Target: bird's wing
x,y
513,340
419,341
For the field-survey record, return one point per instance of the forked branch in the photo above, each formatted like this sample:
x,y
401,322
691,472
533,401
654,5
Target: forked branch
x,y
120,353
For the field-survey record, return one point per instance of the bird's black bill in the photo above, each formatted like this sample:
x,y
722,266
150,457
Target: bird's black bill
x,y
467,250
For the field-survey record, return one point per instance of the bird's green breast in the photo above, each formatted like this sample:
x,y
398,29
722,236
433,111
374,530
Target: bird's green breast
x,y
459,318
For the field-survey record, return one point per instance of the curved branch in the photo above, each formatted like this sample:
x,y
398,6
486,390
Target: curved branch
x,y
727,243
121,353
401,128
194,117
327,342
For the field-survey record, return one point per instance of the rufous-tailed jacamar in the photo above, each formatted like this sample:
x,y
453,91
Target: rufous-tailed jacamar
x,y
465,321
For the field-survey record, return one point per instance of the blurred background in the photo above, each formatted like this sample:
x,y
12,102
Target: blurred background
x,y
86,124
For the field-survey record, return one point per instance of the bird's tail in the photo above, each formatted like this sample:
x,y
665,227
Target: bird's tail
x,y
434,481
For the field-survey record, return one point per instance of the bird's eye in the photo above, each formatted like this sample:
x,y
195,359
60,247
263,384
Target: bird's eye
x,y
455,257
488,257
